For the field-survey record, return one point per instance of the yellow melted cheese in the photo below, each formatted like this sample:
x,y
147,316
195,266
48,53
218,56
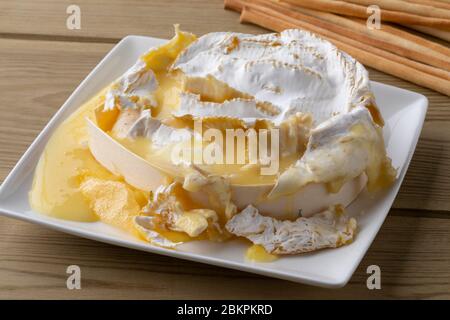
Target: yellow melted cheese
x,y
66,160
257,253
62,167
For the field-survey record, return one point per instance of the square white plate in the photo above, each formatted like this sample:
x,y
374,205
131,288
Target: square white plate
x,y
404,112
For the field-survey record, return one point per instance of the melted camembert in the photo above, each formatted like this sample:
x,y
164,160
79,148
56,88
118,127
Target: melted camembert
x,y
196,202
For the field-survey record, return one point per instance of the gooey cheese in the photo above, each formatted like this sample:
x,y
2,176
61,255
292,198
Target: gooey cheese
x,y
67,161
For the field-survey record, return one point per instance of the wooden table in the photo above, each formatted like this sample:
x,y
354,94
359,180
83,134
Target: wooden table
x,y
42,62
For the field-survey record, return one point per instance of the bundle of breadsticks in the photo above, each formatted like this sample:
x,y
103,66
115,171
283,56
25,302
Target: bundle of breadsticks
x,y
386,47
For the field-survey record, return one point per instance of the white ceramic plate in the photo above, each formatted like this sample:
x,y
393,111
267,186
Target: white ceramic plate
x,y
404,112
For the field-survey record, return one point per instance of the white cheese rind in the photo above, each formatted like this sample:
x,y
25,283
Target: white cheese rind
x,y
337,150
294,70
173,216
122,162
238,108
145,226
158,133
324,230
133,89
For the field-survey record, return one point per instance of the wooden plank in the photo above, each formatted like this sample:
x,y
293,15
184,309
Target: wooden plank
x,y
114,19
37,76
412,252
427,182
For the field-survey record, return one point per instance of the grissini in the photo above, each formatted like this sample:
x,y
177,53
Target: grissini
x,y
387,32
356,10
433,3
388,38
441,34
372,57
406,7
235,5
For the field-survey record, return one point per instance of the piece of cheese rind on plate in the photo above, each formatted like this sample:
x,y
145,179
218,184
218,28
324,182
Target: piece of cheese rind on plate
x,y
166,211
145,226
133,89
125,119
328,229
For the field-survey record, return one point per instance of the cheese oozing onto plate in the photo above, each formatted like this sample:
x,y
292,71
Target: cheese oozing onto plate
x,y
293,92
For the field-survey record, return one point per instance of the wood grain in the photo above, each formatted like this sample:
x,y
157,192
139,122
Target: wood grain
x,y
413,255
109,20
42,62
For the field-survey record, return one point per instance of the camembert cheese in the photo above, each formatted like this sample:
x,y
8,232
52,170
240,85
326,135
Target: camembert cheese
x,y
266,137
